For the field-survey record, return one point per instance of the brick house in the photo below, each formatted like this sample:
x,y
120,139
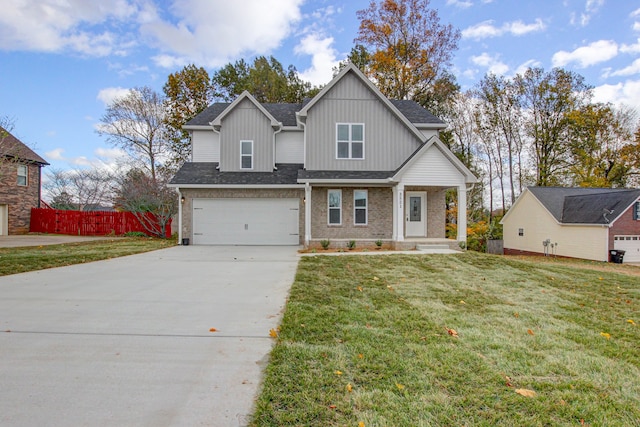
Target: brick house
x,y
579,222
20,179
348,164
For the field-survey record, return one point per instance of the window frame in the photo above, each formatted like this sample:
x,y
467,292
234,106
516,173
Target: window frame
x,y
357,208
243,155
350,141
636,211
330,208
25,168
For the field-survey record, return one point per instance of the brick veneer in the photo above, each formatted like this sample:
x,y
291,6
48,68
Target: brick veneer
x,y
624,225
20,199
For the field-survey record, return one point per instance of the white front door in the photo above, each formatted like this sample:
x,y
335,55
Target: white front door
x,y
416,212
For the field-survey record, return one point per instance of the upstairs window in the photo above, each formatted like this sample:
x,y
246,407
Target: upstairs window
x,y
360,207
334,201
23,174
636,211
246,154
350,141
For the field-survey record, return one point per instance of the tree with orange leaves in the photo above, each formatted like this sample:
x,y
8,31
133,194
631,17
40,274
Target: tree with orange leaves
x,y
409,50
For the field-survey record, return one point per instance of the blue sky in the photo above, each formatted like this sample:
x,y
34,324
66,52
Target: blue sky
x,y
61,61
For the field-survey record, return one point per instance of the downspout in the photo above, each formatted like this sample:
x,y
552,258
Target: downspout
x,y
179,215
274,145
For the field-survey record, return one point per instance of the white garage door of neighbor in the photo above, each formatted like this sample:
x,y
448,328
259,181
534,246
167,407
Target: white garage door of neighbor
x,y
245,222
631,246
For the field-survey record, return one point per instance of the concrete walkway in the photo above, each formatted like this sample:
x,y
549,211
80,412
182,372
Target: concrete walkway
x,y
127,341
19,240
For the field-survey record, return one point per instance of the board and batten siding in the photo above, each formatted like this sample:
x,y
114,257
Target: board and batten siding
x,y
205,146
246,123
433,168
388,142
290,147
537,224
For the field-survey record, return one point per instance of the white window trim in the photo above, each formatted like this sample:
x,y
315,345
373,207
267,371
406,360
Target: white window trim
x,y
246,155
25,175
329,206
350,142
365,208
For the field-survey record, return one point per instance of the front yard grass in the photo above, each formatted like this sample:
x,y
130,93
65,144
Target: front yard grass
x,y
454,340
23,259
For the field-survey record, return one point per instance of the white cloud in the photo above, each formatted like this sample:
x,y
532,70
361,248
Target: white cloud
x,y
630,48
486,29
212,33
594,53
323,58
109,94
491,63
53,26
462,4
626,93
532,63
55,154
630,70
591,8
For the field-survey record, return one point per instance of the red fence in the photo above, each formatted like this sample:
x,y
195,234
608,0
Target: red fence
x,y
88,223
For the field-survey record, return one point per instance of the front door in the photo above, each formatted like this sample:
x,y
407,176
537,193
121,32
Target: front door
x,y
416,210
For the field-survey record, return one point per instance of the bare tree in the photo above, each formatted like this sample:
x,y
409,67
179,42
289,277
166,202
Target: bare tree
x,y
136,123
79,188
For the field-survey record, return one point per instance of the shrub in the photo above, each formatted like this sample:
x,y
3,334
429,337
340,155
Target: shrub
x,y
351,244
135,234
325,243
379,243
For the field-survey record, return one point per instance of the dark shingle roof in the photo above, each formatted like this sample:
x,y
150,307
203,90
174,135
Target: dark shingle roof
x,y
206,174
286,113
585,205
344,175
10,146
415,112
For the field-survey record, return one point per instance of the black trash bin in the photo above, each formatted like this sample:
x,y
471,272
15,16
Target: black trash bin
x,y
616,256
185,242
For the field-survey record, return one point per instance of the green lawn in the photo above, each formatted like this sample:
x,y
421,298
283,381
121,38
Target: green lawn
x,y
448,340
23,259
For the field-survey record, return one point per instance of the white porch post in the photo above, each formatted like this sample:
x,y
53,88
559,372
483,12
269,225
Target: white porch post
x,y
398,213
307,214
462,214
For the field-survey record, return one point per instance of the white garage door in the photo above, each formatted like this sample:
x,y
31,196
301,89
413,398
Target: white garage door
x,y
631,246
245,221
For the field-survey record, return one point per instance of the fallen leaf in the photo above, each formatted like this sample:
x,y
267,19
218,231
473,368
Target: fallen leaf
x,y
349,388
375,278
213,330
400,386
390,288
526,393
606,335
452,332
599,278
631,321
462,302
361,424
360,356
338,372
273,333
332,406
359,288
516,314
530,332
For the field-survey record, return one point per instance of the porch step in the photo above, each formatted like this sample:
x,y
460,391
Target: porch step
x,y
435,248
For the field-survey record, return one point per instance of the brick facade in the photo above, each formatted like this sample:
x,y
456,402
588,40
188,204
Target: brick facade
x,y
19,199
624,225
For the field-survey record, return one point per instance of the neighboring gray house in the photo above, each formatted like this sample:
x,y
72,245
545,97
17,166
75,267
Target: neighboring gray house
x,y
349,164
579,222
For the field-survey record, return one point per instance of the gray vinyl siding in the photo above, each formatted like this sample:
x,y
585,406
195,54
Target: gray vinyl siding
x,y
388,142
246,123
205,146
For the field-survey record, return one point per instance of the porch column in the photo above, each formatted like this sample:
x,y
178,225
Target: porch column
x,y
398,213
307,214
462,213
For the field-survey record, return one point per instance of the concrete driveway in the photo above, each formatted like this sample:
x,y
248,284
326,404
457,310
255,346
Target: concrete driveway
x,y
127,341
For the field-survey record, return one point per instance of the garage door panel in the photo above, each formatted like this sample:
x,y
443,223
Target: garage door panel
x,y
631,246
246,221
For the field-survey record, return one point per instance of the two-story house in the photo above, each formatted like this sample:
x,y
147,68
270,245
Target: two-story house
x,y
348,164
20,190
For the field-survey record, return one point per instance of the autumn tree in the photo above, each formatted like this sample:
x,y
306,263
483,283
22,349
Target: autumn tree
x,y
548,98
136,123
600,139
187,93
408,50
266,79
